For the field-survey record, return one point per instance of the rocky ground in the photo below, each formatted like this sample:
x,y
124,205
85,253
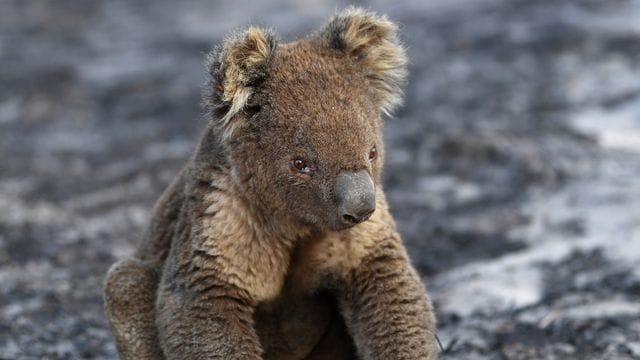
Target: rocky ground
x,y
512,168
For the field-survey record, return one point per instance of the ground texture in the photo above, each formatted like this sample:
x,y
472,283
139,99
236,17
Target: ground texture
x,y
513,168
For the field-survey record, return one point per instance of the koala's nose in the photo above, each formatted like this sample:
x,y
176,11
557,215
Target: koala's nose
x,y
356,197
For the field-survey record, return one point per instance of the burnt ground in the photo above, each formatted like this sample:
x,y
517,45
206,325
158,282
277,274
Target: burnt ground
x,y
512,169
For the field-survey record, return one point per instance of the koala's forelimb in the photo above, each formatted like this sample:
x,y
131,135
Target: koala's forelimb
x,y
386,308
209,324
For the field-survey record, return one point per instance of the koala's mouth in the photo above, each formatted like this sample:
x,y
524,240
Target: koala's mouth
x,y
347,221
351,220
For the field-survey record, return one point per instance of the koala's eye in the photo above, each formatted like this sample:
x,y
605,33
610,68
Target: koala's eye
x,y
302,167
373,153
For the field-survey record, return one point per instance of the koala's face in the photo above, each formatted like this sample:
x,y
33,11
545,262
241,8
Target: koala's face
x,y
301,120
313,142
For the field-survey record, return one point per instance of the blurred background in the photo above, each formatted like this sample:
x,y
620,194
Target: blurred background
x,y
512,169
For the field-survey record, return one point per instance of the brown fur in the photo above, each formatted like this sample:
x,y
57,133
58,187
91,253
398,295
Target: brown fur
x,y
246,258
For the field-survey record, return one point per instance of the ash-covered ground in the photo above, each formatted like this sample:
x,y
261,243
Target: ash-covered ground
x,y
513,168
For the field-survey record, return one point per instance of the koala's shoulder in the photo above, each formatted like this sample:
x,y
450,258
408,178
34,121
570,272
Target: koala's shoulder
x,y
233,246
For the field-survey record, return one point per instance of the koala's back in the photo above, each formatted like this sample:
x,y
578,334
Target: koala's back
x,y
165,218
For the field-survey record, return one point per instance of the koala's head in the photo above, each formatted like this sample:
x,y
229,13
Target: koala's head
x,y
301,121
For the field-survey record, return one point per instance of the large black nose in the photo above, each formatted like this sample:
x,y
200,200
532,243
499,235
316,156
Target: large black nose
x,y
356,197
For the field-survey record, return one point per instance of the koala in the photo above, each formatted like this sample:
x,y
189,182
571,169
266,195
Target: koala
x,y
275,240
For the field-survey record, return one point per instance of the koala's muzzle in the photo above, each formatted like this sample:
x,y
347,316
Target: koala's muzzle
x,y
356,197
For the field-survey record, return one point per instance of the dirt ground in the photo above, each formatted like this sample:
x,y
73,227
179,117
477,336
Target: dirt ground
x,y
512,169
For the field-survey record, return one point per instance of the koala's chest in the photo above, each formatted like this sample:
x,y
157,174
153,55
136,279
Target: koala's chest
x,y
331,257
291,325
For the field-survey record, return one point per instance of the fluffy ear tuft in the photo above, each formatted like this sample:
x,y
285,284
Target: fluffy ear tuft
x,y
372,41
236,69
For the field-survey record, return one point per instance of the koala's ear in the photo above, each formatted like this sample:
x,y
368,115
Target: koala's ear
x,y
236,68
372,41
